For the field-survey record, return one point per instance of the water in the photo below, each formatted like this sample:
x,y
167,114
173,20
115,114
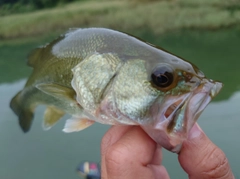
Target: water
x,y
54,154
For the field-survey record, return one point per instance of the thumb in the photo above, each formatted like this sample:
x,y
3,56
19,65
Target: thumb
x,y
202,159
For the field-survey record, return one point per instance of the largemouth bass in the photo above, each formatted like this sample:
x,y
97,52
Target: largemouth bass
x,y
102,75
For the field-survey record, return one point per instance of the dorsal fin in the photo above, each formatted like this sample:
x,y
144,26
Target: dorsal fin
x,y
42,52
71,30
34,56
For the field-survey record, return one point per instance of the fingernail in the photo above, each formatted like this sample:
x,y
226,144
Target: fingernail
x,y
195,132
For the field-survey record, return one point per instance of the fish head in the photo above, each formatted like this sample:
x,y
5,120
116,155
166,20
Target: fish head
x,y
185,92
165,95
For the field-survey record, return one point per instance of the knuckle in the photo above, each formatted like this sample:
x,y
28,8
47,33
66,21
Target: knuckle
x,y
105,143
117,154
216,165
113,157
115,160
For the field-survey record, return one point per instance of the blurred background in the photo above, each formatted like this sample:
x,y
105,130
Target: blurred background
x,y
207,33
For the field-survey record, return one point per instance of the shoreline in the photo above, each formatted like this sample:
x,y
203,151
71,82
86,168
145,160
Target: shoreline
x,y
159,17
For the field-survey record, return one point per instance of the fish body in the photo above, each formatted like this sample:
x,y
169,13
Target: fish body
x,y
106,76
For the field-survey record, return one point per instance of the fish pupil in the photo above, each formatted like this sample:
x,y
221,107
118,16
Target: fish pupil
x,y
162,77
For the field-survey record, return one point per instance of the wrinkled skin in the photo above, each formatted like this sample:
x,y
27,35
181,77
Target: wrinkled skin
x,y
128,152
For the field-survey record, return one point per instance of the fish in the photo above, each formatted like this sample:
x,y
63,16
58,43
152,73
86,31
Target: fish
x,y
106,76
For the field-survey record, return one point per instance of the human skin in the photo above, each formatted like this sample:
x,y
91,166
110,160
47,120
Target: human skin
x,y
128,152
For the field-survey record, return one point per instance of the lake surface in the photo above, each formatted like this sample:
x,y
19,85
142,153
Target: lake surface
x,y
53,154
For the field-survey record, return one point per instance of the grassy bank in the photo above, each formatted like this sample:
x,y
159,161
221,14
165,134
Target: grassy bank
x,y
157,16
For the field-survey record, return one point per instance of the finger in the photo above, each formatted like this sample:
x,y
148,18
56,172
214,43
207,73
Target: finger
x,y
159,171
157,157
130,155
202,159
112,136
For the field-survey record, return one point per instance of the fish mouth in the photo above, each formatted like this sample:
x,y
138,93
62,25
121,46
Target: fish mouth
x,y
177,115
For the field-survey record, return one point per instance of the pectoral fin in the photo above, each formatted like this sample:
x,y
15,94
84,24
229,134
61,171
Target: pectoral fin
x,y
57,91
51,116
77,123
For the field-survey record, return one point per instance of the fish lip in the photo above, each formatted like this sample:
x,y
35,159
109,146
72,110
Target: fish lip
x,y
187,114
171,131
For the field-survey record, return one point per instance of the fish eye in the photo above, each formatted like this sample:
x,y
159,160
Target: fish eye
x,y
162,77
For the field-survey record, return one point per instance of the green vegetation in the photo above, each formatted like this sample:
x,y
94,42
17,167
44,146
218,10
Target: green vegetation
x,y
19,6
127,15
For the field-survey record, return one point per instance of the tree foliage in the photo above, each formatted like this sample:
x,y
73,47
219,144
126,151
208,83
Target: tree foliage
x,y
19,6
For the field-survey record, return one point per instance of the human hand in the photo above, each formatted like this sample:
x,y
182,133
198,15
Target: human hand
x,y
128,152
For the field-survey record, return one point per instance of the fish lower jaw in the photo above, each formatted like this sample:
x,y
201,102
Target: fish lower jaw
x,y
176,118
185,114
